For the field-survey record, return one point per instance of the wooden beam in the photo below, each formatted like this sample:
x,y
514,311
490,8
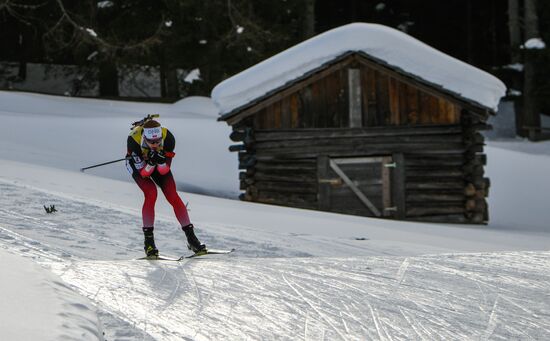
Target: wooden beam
x,y
299,134
354,98
386,185
323,194
347,161
398,185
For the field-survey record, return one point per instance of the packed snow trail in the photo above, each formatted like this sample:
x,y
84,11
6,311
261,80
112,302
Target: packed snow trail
x,y
442,297
272,290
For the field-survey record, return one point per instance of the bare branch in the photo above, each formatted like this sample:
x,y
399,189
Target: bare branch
x,y
88,34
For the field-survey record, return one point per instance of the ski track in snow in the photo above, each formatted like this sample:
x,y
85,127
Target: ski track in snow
x,y
268,290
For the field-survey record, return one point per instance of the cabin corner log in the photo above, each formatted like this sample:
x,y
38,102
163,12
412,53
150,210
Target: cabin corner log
x,y
237,147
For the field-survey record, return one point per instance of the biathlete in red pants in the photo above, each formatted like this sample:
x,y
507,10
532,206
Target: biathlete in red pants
x,y
150,153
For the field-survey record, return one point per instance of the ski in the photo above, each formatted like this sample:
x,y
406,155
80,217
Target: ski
x,y
159,258
199,254
209,252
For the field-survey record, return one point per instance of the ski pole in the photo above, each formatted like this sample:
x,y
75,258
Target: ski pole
x,y
102,164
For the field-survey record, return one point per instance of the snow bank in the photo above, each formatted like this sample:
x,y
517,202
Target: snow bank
x,y
37,305
519,190
387,44
197,104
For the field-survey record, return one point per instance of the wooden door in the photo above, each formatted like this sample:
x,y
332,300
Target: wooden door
x,y
358,185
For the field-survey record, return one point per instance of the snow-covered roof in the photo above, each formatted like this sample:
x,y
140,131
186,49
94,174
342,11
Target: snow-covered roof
x,y
393,47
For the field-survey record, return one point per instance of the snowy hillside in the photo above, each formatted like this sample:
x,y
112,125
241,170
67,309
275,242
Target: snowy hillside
x,y
296,274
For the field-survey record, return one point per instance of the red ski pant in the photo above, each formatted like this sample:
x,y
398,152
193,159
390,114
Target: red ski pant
x,y
168,186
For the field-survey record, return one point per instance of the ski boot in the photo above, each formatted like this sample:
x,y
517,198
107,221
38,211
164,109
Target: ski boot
x,y
193,242
149,243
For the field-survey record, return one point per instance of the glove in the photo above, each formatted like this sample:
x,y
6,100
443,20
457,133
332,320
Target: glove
x,y
156,157
150,158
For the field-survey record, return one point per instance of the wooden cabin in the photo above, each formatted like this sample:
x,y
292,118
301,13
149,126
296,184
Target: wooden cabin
x,y
358,136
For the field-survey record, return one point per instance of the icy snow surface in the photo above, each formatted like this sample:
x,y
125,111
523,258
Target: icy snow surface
x,y
387,44
277,284
296,274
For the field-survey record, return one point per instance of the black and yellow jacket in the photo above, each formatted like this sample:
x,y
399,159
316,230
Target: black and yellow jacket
x,y
137,151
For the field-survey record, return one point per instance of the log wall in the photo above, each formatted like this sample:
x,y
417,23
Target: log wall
x,y
443,166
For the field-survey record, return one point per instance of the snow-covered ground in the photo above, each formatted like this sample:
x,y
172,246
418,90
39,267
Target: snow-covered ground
x,y
296,274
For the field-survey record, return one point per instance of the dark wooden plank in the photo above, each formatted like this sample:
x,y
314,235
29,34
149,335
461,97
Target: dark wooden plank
x,y
323,175
367,186
450,112
443,185
293,134
354,87
386,186
412,105
258,120
364,96
295,109
274,117
352,141
327,93
435,172
403,103
345,147
285,165
446,218
373,115
277,115
332,89
426,107
285,177
343,105
394,101
413,211
445,112
359,152
287,187
417,160
286,120
398,178
298,200
433,105
414,198
350,203
362,170
316,105
306,104
382,98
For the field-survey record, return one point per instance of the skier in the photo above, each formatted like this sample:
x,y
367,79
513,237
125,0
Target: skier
x,y
150,153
